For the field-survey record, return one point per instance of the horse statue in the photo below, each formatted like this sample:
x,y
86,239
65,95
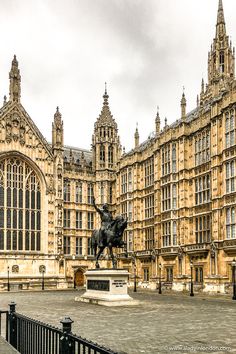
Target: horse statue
x,y
109,235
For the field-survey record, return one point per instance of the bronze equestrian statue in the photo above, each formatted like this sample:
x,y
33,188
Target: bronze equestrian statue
x,y
109,235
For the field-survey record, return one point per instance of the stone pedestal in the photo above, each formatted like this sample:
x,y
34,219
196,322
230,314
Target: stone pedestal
x,y
107,287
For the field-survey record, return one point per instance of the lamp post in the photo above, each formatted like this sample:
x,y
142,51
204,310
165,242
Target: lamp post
x,y
160,292
191,284
43,271
135,270
233,279
8,278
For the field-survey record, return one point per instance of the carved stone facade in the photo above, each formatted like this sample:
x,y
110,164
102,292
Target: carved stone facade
x,y
177,190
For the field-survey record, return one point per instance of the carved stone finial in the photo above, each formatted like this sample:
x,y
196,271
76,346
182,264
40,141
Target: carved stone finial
x,y
15,81
4,100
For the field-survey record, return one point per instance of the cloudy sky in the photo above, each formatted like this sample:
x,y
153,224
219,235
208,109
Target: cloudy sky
x,y
146,50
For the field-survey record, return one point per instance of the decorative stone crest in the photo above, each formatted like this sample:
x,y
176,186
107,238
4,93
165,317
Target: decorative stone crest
x,y
15,128
15,268
42,268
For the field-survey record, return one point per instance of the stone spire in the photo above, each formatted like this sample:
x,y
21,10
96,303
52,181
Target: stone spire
x,y
57,130
220,15
221,56
158,121
183,106
105,117
15,81
136,137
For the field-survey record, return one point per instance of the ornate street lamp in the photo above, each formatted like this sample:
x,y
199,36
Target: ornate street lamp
x,y
191,284
233,279
8,278
160,292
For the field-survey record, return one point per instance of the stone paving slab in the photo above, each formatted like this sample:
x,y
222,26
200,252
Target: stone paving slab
x,y
6,348
167,323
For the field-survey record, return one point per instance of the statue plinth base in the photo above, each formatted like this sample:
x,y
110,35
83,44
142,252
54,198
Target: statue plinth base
x,y
107,287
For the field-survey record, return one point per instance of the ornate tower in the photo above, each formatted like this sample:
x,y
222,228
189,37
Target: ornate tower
x,y
106,152
15,82
106,144
57,147
221,57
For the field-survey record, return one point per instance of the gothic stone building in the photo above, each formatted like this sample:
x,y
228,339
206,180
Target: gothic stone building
x,y
177,190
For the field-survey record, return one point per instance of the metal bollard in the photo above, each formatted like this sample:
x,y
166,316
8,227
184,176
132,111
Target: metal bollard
x,y
12,322
67,344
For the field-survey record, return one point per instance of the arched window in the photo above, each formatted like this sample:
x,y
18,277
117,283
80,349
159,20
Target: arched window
x,y
110,155
102,155
222,62
20,207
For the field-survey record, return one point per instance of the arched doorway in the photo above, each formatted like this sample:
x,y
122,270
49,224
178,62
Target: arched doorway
x,y
79,277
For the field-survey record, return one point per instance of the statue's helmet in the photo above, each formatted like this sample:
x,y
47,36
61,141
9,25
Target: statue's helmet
x,y
105,207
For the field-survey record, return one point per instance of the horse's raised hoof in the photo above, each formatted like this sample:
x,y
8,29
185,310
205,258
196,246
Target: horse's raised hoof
x,y
97,266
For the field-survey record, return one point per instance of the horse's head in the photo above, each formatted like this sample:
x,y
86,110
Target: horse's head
x,y
120,223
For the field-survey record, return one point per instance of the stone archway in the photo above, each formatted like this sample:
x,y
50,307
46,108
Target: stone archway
x,y
79,278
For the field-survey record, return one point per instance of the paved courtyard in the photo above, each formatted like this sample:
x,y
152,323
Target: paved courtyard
x,y
160,324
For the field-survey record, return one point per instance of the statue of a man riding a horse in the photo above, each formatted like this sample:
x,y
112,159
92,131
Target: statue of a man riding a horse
x,y
109,235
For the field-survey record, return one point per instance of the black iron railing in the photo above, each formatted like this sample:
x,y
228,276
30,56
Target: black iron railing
x,y
30,336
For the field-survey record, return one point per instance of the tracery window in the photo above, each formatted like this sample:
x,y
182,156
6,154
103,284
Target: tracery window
x,y
102,156
78,192
230,223
149,172
202,148
66,191
230,128
165,160
203,228
230,176
20,206
110,156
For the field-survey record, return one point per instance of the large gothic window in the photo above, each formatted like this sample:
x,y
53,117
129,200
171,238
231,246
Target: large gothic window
x,y
102,156
20,207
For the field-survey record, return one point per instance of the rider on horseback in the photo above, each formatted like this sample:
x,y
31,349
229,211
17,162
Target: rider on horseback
x,y
106,220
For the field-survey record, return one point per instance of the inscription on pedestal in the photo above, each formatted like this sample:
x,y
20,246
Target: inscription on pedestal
x,y
101,285
119,283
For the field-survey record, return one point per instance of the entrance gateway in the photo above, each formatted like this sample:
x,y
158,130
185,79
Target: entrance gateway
x,y
79,277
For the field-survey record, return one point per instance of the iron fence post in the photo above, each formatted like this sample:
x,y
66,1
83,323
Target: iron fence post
x,y
12,322
67,344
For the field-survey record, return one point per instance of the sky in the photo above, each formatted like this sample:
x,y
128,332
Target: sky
x,y
146,51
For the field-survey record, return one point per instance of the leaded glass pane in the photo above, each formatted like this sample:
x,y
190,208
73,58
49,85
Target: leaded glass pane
x,y
20,240
8,240
27,241
1,195
20,219
1,240
9,218
38,241
14,219
32,241
1,218
27,199
8,197
14,240
38,200
20,198
32,220
32,199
